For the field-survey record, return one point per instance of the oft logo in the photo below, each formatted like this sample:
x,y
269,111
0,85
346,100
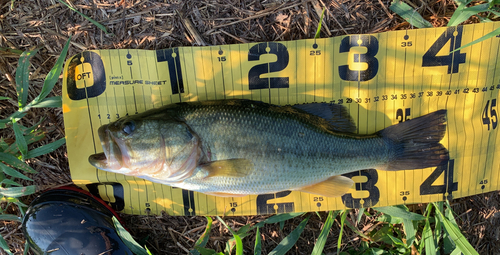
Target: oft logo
x,y
86,77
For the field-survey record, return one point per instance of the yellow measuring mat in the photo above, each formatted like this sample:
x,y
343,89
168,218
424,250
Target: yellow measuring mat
x,y
382,79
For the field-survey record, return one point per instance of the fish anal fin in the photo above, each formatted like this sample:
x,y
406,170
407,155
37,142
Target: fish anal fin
x,y
228,168
334,186
222,194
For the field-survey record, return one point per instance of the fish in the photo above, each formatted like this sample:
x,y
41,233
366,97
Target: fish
x,y
235,148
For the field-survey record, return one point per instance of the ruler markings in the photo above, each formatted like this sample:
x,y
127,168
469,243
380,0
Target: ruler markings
x,y
476,132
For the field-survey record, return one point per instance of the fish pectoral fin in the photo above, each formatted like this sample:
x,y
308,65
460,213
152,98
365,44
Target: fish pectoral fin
x,y
334,186
222,194
229,168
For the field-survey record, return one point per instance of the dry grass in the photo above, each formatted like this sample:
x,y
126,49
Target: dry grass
x,y
146,24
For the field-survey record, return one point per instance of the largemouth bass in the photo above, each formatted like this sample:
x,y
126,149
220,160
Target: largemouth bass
x,y
242,147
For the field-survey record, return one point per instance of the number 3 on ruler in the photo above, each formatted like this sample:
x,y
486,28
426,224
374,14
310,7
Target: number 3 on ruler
x,y
371,45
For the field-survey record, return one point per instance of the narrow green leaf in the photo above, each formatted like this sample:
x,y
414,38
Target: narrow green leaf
x,y
44,149
22,77
320,243
49,102
224,223
410,231
3,144
277,218
32,128
353,228
20,141
289,241
15,116
409,14
237,238
17,191
244,229
10,182
4,245
4,98
53,75
128,239
456,235
202,241
97,24
456,252
26,248
396,240
360,214
485,37
389,219
15,162
400,213
239,245
342,220
21,204
30,138
205,251
10,50
12,172
10,217
462,13
430,246
258,245
320,24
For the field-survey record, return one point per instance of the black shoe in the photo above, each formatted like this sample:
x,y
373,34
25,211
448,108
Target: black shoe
x,y
71,221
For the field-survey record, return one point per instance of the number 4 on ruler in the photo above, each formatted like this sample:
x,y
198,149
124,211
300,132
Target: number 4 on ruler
x,y
451,60
427,187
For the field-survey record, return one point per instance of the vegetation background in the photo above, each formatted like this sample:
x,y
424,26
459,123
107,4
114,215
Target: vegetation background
x,y
46,25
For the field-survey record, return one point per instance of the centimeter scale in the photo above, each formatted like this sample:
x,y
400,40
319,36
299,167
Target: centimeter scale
x,y
382,79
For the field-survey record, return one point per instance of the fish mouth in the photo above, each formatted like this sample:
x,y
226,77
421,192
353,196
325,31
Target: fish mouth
x,y
113,157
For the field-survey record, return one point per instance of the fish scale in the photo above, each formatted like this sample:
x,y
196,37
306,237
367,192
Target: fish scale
x,y
243,147
272,142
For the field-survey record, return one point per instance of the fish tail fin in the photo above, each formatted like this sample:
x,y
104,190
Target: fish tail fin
x,y
416,142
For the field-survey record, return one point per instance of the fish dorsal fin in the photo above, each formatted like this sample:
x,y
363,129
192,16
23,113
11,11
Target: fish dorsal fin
x,y
336,115
334,186
228,168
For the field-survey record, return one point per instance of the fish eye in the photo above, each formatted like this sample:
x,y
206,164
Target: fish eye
x,y
128,127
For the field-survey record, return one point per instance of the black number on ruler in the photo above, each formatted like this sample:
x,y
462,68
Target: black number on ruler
x,y
254,80
451,60
403,117
118,194
264,208
492,112
448,187
174,68
188,202
372,199
371,45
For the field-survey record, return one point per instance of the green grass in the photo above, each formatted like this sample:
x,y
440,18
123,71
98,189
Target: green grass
x,y
12,156
465,10
398,231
